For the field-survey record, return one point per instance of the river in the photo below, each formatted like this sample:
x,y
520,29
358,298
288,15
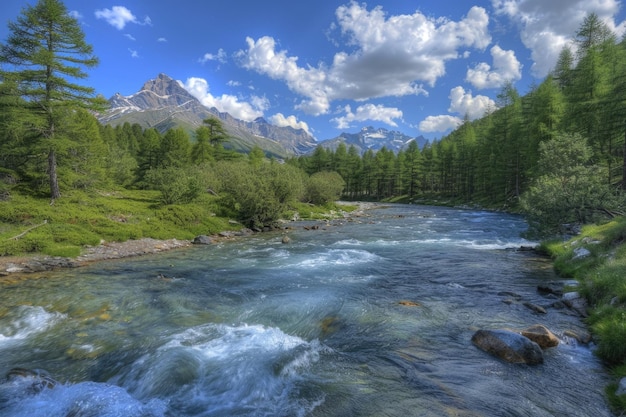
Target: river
x,y
372,317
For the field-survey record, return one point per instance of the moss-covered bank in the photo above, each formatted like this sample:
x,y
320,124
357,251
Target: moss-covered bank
x,y
596,258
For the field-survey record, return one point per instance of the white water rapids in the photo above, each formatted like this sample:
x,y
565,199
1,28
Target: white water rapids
x,y
254,327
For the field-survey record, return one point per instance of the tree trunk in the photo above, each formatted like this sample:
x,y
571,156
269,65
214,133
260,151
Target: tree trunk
x,y
52,175
624,163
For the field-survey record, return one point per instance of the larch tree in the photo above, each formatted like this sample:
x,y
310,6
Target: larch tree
x,y
43,55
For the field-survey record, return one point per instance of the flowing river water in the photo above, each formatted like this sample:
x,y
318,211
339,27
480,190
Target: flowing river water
x,y
315,327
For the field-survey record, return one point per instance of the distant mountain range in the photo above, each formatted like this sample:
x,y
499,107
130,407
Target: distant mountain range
x,y
162,103
374,139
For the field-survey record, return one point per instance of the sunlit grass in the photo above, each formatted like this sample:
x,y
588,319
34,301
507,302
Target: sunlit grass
x,y
79,218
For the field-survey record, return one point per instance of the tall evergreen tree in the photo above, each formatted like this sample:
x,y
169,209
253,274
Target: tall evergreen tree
x,y
46,49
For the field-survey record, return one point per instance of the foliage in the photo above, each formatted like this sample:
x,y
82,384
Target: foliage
x,y
324,187
177,185
260,194
601,278
86,218
568,190
44,51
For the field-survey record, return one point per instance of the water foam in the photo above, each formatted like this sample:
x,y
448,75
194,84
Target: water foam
x,y
83,399
25,321
337,257
225,369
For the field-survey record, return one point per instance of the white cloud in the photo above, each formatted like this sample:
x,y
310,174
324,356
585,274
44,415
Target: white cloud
x,y
389,56
120,16
133,53
506,68
161,40
368,112
280,120
199,88
233,83
464,103
76,15
441,123
548,26
219,57
129,36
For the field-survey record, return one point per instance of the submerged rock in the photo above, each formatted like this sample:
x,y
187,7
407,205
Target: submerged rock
x,y
408,303
509,346
535,307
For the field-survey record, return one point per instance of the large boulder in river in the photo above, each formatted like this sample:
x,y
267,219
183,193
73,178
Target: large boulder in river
x,y
541,335
509,346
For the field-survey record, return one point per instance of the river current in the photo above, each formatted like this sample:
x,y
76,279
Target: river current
x,y
372,317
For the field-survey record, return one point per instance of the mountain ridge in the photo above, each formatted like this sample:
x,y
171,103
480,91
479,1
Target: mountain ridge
x,y
163,103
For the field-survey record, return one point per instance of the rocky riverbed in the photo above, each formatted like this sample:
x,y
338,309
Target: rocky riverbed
x,y
108,250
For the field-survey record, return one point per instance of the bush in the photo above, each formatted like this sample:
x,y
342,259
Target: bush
x,y
324,187
260,194
177,185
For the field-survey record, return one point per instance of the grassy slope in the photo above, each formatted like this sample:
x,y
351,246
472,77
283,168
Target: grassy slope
x,y
87,218
602,277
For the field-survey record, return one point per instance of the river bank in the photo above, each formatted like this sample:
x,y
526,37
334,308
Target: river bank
x,y
117,250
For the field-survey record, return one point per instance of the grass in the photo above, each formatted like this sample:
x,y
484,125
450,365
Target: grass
x,y
602,278
31,225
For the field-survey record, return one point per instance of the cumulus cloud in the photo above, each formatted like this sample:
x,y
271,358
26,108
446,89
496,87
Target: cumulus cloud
x,y
389,56
120,16
441,123
462,103
366,112
506,68
248,111
162,40
291,121
76,15
219,57
549,26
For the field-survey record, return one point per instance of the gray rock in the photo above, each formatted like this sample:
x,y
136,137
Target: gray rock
x,y
535,308
509,346
202,240
581,253
570,296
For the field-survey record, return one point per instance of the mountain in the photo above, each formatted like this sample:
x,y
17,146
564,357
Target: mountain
x,y
374,139
162,103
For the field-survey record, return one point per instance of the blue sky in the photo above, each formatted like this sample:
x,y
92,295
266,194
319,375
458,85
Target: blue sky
x,y
332,66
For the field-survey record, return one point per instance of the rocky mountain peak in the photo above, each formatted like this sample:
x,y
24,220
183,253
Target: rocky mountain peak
x,y
163,103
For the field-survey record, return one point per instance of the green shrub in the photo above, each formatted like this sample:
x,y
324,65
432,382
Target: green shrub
x,y
324,187
177,185
609,325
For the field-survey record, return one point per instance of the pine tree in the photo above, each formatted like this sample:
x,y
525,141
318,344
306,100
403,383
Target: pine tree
x,y
45,49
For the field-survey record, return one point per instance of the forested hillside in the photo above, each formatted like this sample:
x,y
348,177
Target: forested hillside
x,y
559,149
